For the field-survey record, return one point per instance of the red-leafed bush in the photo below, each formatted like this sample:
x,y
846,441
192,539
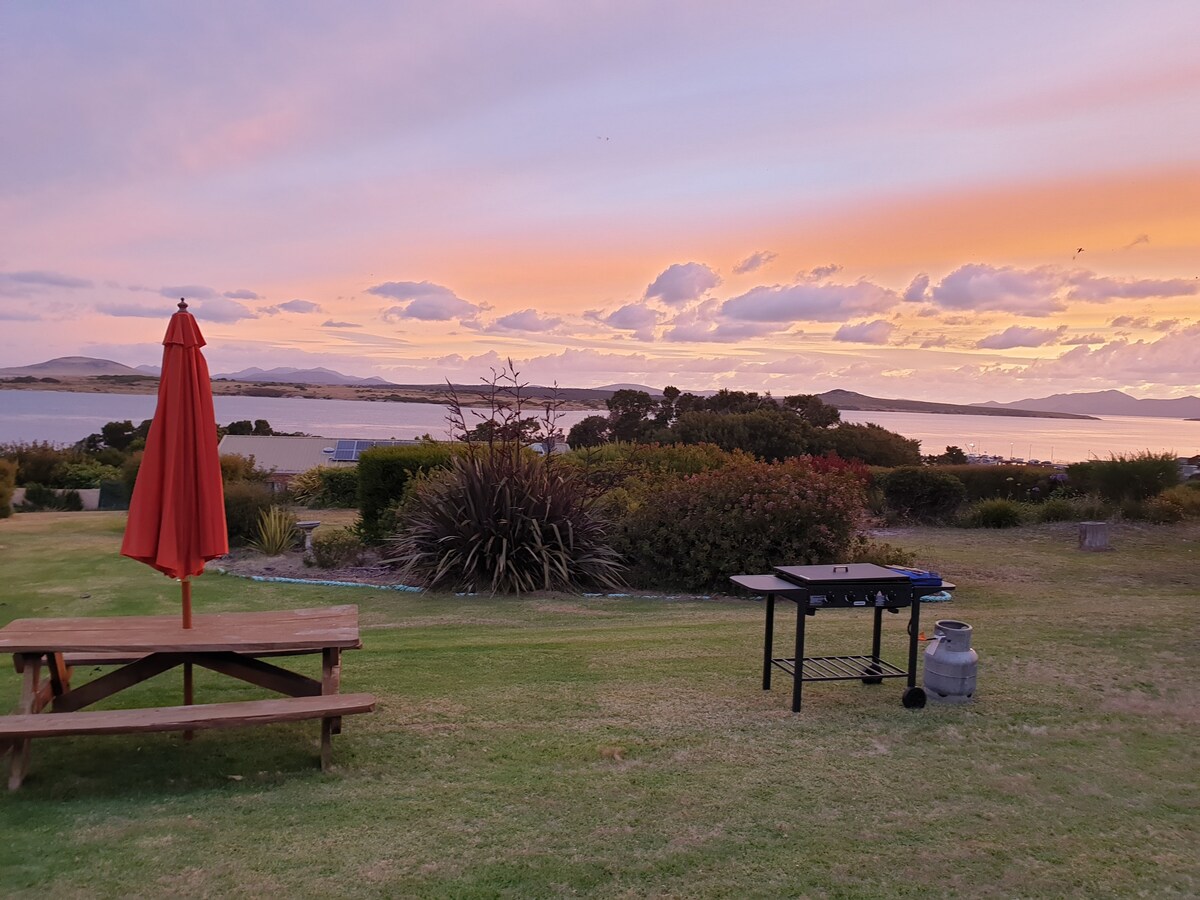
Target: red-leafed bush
x,y
695,532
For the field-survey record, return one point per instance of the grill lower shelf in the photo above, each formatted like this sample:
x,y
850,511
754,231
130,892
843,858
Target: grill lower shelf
x,y
839,668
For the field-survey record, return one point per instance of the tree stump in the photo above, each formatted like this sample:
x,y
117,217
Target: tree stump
x,y
1093,536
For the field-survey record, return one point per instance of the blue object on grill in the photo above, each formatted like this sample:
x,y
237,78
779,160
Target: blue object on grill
x,y
920,577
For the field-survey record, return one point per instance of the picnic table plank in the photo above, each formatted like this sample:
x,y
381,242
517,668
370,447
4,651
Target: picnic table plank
x,y
296,629
238,714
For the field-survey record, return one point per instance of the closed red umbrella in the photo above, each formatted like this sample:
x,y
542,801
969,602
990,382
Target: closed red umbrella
x,y
177,513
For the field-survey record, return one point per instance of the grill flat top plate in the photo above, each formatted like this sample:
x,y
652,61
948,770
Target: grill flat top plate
x,y
851,573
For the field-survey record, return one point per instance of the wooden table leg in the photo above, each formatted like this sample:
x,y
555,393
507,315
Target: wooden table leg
x,y
60,674
327,744
188,694
331,680
29,703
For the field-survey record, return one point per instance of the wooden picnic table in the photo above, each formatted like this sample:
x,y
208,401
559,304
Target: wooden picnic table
x,y
141,647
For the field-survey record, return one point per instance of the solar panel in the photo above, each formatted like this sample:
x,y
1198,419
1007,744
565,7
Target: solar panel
x,y
349,450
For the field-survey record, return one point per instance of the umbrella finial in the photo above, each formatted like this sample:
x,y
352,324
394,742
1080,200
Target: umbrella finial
x,y
182,304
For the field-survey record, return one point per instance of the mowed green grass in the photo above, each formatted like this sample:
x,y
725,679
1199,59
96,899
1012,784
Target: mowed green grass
x,y
554,746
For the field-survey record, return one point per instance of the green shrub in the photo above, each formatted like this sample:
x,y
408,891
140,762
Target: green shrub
x,y
245,501
870,444
1162,510
503,521
384,474
113,495
339,487
235,467
1057,509
994,514
41,462
1186,496
336,547
769,434
70,501
924,494
1134,477
276,532
129,470
615,466
984,482
695,532
87,474
865,550
323,487
38,497
306,488
1092,508
8,481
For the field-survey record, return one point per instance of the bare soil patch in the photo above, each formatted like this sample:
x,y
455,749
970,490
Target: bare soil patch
x,y
249,563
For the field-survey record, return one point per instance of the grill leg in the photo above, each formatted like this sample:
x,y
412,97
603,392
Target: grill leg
x,y
914,632
874,669
768,642
798,675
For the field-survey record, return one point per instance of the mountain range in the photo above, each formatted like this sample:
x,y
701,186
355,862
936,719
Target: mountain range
x,y
318,375
1105,403
1073,405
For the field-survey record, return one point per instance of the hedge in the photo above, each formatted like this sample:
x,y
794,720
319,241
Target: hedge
x,y
384,474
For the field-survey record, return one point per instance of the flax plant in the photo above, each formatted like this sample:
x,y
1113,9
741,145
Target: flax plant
x,y
277,532
502,518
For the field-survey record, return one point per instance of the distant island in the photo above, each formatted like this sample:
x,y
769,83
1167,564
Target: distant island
x,y
90,375
1107,403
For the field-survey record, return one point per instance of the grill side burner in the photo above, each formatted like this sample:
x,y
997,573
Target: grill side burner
x,y
852,586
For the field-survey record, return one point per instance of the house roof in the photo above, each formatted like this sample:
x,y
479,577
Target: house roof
x,y
285,455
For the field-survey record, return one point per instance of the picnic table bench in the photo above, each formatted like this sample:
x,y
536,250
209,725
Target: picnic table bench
x,y
141,647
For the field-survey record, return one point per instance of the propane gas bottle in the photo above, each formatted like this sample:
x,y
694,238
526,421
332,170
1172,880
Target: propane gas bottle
x,y
950,663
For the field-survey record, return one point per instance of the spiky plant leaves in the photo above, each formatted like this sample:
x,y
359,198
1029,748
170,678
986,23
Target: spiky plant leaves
x,y
277,532
505,523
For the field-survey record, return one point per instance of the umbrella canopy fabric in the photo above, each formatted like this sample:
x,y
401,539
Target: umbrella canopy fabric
x,y
177,513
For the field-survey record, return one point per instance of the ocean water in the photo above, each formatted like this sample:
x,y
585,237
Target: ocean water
x,y
65,417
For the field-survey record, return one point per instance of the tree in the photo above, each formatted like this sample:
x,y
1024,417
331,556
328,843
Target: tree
x,y
263,427
242,426
954,456
591,431
118,435
727,401
813,410
666,407
872,445
629,414
770,434
491,430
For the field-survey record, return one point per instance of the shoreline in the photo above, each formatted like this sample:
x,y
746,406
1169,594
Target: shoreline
x,y
569,398
292,391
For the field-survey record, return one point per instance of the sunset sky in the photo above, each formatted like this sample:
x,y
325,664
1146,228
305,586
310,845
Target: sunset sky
x,y
789,196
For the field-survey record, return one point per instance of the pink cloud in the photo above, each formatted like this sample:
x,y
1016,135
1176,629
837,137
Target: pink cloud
x,y
753,262
877,332
682,283
1021,336
527,320
423,300
807,301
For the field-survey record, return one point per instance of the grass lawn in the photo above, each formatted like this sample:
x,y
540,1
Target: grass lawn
x,y
555,746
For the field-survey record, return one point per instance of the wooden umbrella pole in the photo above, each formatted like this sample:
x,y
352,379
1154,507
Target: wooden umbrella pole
x,y
188,695
187,602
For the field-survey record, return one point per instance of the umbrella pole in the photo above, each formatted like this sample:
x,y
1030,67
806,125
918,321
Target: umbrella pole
x,y
188,695
187,602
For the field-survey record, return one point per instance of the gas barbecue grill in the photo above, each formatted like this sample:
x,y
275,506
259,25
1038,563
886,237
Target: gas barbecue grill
x,y
854,586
